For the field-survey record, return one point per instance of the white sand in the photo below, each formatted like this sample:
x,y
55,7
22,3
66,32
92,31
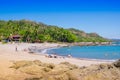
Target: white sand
x,y
8,54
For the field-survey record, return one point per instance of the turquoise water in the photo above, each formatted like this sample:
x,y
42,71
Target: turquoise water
x,y
111,52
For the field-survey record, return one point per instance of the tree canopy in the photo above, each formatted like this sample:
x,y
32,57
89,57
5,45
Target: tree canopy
x,y
39,32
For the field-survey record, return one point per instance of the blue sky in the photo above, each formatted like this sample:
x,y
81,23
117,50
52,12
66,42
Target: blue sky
x,y
100,16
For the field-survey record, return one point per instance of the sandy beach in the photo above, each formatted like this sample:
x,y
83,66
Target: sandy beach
x,y
8,55
8,52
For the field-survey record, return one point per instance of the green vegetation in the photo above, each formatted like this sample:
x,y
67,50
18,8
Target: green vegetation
x,y
87,37
39,32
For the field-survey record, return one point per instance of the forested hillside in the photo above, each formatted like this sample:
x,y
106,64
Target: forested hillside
x,y
87,37
31,31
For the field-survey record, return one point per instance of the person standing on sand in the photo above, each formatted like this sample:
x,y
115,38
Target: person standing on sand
x,y
16,48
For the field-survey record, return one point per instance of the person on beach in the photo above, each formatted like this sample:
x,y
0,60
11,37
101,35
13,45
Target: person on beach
x,y
16,48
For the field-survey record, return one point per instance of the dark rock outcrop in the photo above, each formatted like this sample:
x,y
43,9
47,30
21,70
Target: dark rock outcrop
x,y
117,63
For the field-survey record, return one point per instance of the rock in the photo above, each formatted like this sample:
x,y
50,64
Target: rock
x,y
117,63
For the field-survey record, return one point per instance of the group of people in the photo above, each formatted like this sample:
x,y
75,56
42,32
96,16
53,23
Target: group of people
x,y
29,50
51,56
47,55
56,56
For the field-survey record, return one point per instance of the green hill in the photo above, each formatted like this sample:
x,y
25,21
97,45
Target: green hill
x,y
87,37
38,32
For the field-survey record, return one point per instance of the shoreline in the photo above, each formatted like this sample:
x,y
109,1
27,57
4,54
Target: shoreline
x,y
88,43
7,51
44,52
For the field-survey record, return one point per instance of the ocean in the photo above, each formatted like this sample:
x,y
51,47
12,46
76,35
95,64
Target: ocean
x,y
108,52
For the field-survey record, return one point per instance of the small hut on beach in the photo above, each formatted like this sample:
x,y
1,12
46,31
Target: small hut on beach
x,y
15,38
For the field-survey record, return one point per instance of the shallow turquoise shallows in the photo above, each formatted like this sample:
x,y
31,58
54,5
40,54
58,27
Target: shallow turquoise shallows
x,y
111,52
